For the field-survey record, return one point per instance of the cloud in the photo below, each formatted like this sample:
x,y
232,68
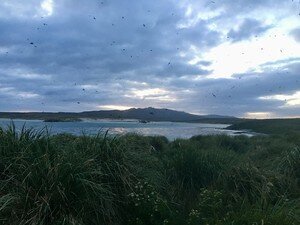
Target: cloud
x,y
249,28
73,56
296,34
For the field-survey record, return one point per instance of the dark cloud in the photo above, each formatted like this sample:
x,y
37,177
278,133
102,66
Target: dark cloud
x,y
296,34
249,28
108,54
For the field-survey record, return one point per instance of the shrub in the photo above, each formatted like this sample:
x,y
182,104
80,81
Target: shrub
x,y
146,206
212,208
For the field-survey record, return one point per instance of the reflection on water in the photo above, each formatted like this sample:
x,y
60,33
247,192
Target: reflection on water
x,y
169,129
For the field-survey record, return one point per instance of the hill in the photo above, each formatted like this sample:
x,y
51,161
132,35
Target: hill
x,y
147,114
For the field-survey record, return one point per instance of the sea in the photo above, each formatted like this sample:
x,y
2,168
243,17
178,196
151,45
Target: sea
x,y
171,130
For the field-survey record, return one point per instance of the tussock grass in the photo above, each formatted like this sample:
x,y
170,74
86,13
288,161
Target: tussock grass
x,y
135,180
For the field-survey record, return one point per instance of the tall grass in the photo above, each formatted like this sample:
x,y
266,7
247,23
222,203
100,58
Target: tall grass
x,y
85,181
135,180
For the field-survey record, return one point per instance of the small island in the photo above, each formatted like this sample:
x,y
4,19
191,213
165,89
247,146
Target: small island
x,y
56,120
144,121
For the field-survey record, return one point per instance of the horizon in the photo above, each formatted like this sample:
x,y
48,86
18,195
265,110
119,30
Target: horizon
x,y
203,58
56,112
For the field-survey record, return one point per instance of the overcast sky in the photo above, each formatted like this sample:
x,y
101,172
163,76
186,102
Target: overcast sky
x,y
225,57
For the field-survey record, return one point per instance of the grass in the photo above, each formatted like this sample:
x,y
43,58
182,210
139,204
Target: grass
x,y
135,180
269,126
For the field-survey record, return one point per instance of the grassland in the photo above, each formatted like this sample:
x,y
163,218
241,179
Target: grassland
x,y
135,180
269,126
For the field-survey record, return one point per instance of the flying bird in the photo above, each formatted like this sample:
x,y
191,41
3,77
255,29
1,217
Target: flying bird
x,y
213,95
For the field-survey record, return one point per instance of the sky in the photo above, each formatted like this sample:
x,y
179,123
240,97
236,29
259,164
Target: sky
x,y
238,58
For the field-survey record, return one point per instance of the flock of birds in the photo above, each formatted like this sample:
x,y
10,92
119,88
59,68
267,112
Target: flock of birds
x,y
213,94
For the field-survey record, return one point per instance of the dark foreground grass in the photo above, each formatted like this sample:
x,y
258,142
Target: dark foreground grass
x,y
135,180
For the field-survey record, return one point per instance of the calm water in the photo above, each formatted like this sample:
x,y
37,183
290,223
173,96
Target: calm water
x,y
169,129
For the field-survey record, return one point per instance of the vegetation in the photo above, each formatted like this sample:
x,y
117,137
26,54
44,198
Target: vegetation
x,y
62,120
135,180
269,126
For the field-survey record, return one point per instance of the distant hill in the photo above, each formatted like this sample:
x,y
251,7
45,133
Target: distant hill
x,y
146,114
150,114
